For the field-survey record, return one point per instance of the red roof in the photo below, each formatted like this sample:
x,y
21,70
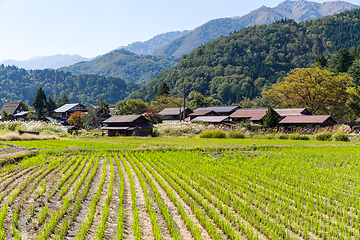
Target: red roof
x,y
253,114
306,119
357,120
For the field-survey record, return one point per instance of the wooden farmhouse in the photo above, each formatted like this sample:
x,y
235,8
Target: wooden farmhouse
x,y
174,114
202,113
63,113
127,125
15,110
284,112
225,120
308,121
253,115
222,110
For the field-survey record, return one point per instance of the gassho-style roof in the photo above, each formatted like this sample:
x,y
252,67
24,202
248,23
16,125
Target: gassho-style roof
x,y
10,108
283,112
173,111
123,118
219,109
306,119
253,114
67,107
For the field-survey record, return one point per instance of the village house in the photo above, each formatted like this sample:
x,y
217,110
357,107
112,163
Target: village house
x,y
225,120
222,110
202,113
127,125
253,115
16,110
284,112
63,113
307,121
174,114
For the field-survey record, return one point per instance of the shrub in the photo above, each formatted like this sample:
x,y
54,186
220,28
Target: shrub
x,y
322,136
213,134
270,136
282,136
340,137
236,134
297,136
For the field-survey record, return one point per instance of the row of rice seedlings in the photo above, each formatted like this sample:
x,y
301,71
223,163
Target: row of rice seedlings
x,y
121,215
2,221
66,222
136,225
42,215
205,220
163,208
105,212
55,218
148,202
64,179
222,202
223,223
15,224
65,188
84,228
195,230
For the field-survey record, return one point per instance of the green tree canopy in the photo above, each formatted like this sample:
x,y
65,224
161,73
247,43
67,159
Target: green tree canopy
x,y
271,119
40,104
163,90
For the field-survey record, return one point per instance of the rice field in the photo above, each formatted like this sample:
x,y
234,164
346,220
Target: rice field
x,y
306,192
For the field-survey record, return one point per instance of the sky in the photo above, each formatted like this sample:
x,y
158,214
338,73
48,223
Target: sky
x,y
93,27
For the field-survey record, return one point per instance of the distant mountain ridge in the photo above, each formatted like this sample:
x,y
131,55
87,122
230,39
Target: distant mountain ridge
x,y
153,44
52,62
300,10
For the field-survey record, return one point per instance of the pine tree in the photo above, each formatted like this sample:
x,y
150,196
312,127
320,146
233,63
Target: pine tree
x,y
271,119
40,104
163,90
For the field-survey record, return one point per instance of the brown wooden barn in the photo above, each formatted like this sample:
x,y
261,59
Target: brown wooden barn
x,y
127,125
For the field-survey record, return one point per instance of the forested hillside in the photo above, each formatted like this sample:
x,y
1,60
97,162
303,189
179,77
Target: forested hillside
x,y
17,84
245,63
125,65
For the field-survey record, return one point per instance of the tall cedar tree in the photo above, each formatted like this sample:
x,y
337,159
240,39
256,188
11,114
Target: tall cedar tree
x,y
271,119
40,104
163,90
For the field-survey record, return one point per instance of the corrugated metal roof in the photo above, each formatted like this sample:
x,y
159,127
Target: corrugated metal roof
x,y
254,114
219,108
283,112
122,118
172,111
214,119
305,119
68,107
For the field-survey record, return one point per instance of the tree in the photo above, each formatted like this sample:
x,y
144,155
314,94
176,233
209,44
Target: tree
x,y
103,110
163,90
198,100
40,104
271,119
341,61
166,101
76,119
130,107
50,106
62,99
320,91
4,115
92,119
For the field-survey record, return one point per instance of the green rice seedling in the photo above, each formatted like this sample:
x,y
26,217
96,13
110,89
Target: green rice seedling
x,y
42,215
120,220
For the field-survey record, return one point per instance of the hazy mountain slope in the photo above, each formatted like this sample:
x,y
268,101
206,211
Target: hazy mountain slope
x,y
299,10
245,63
54,62
125,65
153,44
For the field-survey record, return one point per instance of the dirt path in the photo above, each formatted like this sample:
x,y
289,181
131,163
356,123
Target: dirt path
x,y
127,206
180,224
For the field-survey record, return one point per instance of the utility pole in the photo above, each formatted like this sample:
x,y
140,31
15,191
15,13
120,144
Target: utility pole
x,y
184,100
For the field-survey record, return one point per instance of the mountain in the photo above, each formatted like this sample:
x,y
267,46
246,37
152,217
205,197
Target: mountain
x,y
53,62
150,46
299,10
125,65
19,84
246,62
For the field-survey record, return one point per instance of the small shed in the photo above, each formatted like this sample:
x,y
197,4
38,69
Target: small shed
x,y
174,114
225,120
127,125
308,121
